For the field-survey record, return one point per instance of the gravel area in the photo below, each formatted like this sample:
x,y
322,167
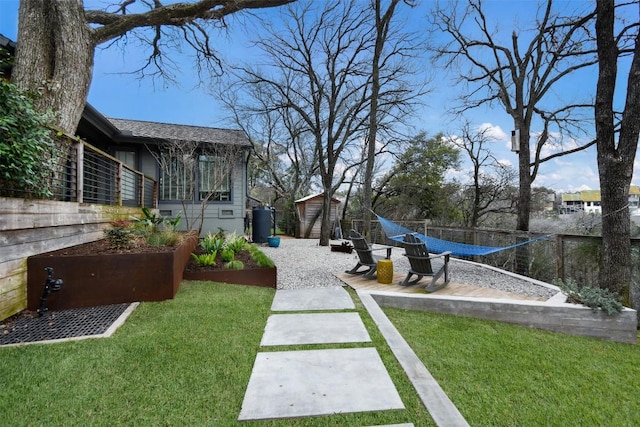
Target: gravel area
x,y
302,263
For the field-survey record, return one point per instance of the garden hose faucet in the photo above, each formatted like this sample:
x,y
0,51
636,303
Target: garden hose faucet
x,y
50,285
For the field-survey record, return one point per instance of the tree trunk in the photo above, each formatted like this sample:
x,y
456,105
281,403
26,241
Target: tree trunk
x,y
55,57
325,227
615,164
382,28
524,198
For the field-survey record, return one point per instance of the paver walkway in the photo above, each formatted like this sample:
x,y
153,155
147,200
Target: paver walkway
x,y
287,383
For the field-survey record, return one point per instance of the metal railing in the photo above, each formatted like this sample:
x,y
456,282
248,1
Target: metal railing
x,y
83,173
560,256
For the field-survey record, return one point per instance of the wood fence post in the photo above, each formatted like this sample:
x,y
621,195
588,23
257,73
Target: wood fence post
x,y
560,257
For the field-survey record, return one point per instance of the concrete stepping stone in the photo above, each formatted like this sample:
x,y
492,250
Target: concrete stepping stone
x,y
314,328
290,384
334,298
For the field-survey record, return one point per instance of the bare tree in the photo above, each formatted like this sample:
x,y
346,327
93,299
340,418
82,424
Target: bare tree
x,y
317,67
617,142
215,165
283,151
491,180
390,93
520,75
57,41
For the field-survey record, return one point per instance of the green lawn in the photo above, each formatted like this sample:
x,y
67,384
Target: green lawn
x,y
188,362
506,375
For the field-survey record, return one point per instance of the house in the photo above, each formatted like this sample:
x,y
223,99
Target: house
x,y
195,167
589,201
310,213
190,164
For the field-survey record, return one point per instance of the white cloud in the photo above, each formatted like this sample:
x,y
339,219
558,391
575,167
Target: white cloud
x,y
495,132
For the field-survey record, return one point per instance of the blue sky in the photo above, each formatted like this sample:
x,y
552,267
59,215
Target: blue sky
x,y
124,96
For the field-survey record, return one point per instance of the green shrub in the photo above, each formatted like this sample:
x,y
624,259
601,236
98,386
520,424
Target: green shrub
x,y
205,260
173,223
235,243
212,243
27,148
120,235
595,298
234,265
227,255
150,220
163,238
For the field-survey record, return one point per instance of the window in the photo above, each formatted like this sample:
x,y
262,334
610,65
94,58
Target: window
x,y
176,177
213,178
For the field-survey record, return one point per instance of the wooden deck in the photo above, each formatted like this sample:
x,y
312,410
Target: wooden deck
x,y
452,289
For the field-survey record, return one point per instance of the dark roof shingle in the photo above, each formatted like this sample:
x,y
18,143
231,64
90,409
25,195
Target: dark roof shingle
x,y
175,132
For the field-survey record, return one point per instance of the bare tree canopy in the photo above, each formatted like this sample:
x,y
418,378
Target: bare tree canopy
x,y
490,189
57,41
520,74
316,80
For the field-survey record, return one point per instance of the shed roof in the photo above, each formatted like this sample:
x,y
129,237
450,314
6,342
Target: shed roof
x,y
175,132
313,196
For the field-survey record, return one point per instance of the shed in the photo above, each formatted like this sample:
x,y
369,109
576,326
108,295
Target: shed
x,y
310,213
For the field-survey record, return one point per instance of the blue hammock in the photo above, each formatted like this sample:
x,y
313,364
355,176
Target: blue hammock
x,y
396,233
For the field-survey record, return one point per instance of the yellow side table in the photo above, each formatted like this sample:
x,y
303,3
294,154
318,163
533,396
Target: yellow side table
x,y
385,271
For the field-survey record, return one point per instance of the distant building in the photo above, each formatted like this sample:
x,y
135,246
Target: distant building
x,y
589,201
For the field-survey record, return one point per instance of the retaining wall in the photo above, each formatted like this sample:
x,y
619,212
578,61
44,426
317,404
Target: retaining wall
x,y
552,315
31,227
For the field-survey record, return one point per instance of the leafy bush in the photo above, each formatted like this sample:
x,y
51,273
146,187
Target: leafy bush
x,y
234,265
173,223
212,243
235,243
205,260
120,235
595,298
27,148
150,220
227,255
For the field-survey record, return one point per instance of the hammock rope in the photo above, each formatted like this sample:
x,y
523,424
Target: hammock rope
x,y
396,233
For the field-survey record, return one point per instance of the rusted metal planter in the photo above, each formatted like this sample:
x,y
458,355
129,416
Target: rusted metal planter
x,y
102,279
265,277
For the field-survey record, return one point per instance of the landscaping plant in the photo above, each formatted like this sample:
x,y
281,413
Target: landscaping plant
x,y
205,260
595,298
227,247
28,152
120,235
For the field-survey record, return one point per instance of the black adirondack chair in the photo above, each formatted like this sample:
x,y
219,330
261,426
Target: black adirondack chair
x,y
420,260
366,258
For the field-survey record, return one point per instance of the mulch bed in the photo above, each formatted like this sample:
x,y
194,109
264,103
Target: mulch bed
x,y
243,256
103,247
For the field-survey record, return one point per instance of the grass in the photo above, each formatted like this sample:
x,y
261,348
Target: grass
x,y
188,361
499,374
181,362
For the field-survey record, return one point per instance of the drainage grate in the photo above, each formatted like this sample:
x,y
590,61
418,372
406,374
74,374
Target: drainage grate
x,y
28,327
